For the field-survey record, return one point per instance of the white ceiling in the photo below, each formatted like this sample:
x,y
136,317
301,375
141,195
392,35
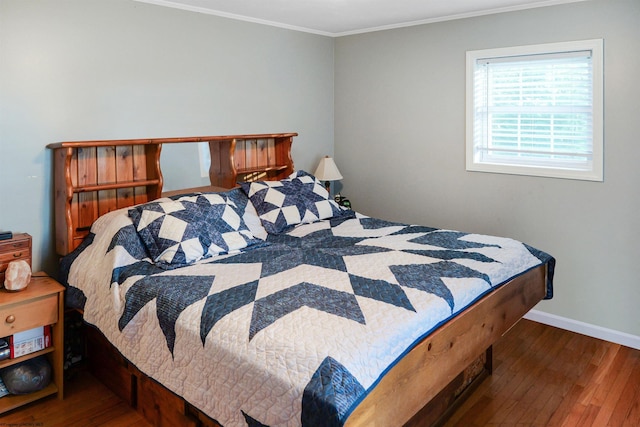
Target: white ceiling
x,y
343,17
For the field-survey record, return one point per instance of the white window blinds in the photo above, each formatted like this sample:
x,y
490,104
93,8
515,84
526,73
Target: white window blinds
x,y
535,112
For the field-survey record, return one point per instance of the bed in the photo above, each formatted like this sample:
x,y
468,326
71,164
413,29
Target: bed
x,y
269,304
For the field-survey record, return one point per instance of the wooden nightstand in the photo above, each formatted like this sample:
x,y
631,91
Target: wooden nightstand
x,y
41,303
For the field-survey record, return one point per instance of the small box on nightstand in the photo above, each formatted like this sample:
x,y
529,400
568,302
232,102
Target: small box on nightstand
x,y
14,249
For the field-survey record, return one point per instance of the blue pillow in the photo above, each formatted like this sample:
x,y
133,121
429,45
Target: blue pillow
x,y
183,231
299,199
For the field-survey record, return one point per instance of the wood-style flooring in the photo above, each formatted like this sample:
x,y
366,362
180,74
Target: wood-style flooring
x,y
86,403
543,376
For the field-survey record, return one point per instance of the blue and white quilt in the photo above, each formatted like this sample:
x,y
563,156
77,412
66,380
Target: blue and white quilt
x,y
296,329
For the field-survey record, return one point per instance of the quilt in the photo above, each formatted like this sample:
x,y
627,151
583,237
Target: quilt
x,y
294,330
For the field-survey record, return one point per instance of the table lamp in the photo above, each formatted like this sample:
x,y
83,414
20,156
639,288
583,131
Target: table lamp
x,y
327,171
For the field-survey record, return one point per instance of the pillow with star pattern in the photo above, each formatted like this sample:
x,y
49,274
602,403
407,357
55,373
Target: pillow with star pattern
x,y
299,199
244,208
182,231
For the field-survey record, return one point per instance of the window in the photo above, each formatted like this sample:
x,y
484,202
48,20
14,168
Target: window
x,y
536,110
205,159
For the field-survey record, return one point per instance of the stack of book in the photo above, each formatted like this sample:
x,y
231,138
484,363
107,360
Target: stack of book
x,y
30,341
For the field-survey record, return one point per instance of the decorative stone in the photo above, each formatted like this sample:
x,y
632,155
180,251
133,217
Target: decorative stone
x,y
17,276
27,376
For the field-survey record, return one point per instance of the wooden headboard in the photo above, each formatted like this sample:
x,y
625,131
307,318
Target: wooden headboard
x,y
92,178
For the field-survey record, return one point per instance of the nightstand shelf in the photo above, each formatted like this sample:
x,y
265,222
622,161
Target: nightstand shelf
x,y
40,304
12,401
9,362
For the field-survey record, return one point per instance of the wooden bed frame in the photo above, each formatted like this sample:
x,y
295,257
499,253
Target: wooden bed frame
x,y
95,177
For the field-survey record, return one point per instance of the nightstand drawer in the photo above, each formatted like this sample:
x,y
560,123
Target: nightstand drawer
x,y
28,315
16,244
6,258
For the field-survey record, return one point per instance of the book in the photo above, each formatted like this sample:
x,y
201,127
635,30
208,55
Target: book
x,y
29,341
3,389
4,349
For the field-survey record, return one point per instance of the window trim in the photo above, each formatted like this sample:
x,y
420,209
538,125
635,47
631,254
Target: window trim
x,y
597,171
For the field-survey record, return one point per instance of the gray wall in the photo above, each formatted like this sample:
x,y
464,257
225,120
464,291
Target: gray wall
x,y
102,69
399,142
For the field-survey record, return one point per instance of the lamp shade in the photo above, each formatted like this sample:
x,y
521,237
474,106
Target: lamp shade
x,y
327,170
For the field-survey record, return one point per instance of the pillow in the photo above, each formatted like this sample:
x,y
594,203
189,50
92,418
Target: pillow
x,y
247,212
183,231
244,208
299,199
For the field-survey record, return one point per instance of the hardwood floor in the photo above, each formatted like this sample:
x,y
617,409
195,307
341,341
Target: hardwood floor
x,y
86,403
543,376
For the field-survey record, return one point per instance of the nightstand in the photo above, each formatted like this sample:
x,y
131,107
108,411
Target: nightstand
x,y
40,303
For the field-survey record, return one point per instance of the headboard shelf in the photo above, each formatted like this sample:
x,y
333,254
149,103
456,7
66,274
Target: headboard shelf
x,y
95,177
116,185
250,157
266,169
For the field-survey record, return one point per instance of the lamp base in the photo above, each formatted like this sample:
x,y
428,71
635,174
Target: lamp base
x,y
327,185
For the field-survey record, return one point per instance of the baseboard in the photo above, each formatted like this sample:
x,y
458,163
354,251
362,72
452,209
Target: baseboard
x,y
594,331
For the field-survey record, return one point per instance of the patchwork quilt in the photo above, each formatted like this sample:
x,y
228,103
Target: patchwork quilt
x,y
294,330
